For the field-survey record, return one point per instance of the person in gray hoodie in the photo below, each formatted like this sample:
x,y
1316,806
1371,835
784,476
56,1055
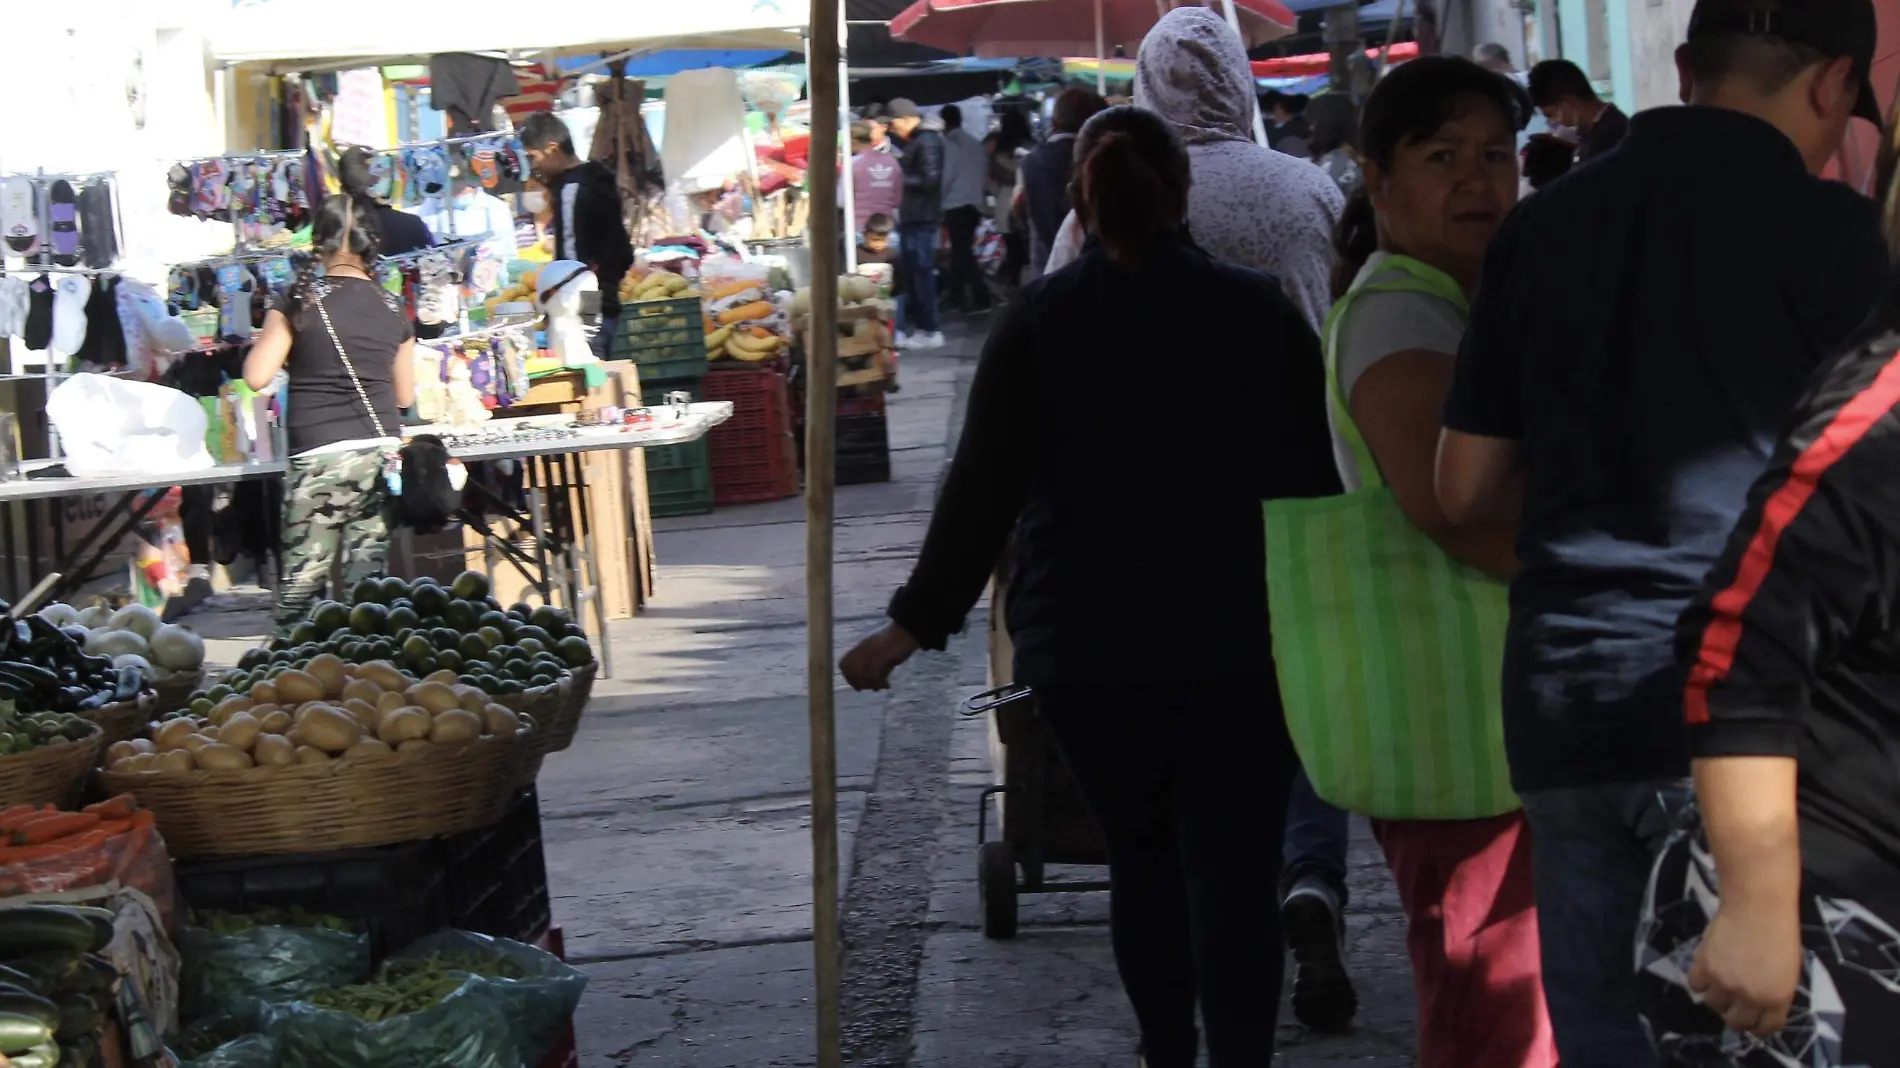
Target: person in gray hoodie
x,y
1258,208
1250,205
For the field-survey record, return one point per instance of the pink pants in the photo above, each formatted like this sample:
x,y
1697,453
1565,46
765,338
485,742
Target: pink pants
x,y
1472,936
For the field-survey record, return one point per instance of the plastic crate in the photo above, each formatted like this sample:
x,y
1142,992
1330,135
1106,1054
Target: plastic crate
x,y
771,479
646,318
679,479
496,878
666,362
395,892
863,445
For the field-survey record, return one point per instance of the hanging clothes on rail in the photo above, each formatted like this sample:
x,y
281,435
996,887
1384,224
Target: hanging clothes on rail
x,y
622,142
467,87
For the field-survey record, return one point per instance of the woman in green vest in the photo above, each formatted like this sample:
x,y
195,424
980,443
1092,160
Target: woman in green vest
x,y
1397,713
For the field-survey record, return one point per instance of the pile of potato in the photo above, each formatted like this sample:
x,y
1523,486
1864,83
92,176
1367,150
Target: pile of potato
x,y
524,290
332,710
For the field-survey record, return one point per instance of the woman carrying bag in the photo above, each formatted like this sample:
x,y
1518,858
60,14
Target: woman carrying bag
x,y
344,344
1141,636
1389,623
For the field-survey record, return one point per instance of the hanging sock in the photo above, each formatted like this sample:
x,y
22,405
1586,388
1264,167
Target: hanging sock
x,y
20,214
69,313
37,334
98,238
235,289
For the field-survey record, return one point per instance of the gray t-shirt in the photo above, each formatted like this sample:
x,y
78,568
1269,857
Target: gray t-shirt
x,y
1379,325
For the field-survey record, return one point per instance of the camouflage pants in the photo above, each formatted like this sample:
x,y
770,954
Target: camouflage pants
x,y
334,531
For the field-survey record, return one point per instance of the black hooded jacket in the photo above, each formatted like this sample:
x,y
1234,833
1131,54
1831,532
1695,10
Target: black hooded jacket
x,y
599,232
923,178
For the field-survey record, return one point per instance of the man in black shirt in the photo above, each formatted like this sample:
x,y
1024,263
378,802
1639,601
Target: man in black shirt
x,y
1643,328
1569,102
588,225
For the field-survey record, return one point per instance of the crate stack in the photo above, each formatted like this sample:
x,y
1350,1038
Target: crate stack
x,y
753,455
863,440
666,340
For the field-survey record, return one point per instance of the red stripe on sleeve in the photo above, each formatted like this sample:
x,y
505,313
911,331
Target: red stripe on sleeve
x,y
1716,655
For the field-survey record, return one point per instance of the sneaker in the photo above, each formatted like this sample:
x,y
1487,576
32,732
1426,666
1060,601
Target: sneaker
x,y
1323,997
932,340
904,341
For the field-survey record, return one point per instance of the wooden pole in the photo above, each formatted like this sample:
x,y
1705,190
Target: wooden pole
x,y
821,409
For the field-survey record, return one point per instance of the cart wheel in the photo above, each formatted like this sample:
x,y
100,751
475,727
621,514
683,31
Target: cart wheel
x,y
996,881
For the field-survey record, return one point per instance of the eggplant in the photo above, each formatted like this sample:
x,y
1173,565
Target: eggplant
x,y
22,637
84,698
47,643
130,681
76,633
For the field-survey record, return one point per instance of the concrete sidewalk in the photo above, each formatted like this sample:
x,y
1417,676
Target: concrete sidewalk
x,y
679,838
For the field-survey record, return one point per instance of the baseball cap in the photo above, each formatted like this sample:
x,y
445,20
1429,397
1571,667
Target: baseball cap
x,y
1833,28
902,108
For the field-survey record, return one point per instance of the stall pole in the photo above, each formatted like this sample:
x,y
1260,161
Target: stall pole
x,y
847,193
821,408
1233,22
1101,53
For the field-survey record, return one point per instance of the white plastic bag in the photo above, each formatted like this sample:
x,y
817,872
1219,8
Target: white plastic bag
x,y
108,426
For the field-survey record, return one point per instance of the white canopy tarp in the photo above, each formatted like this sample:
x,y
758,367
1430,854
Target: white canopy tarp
x,y
286,35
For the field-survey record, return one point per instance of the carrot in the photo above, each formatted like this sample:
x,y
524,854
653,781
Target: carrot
x,y
144,818
760,332
115,808
16,815
26,854
47,828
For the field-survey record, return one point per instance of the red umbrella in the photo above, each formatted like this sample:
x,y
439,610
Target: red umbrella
x,y
994,28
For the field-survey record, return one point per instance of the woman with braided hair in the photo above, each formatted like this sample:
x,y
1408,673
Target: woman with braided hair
x,y
344,345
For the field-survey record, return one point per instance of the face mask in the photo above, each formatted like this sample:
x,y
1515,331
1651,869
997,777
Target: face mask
x,y
534,201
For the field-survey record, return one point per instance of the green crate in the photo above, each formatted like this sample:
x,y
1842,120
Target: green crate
x,y
679,479
644,319
667,363
633,344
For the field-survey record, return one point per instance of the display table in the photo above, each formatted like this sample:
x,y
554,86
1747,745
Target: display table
x,y
552,537
561,550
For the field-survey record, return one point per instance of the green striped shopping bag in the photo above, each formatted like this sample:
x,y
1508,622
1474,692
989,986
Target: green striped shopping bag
x,y
1389,651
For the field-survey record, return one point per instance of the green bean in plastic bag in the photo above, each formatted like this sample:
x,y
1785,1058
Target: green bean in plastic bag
x,y
537,1000
251,1051
463,1030
225,971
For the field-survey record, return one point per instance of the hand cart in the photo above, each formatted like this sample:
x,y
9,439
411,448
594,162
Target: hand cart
x,y
1040,815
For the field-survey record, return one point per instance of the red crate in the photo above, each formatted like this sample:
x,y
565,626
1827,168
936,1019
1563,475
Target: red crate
x,y
759,480
752,452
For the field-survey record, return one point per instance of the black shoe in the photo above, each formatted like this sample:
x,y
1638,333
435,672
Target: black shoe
x,y
1323,997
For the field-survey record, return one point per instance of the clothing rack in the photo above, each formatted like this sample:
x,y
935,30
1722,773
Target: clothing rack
x,y
445,142
262,153
531,323
40,177
447,246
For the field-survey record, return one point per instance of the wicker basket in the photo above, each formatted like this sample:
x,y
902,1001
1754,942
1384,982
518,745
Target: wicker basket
x,y
345,804
125,720
174,692
545,704
558,732
50,775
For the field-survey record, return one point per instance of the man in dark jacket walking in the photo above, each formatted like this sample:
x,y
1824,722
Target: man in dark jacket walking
x,y
1044,172
587,221
918,221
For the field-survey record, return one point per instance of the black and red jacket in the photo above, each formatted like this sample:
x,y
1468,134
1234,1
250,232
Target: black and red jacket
x,y
1792,648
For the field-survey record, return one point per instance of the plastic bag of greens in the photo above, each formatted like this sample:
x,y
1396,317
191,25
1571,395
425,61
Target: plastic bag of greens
x,y
412,1024
224,1041
251,1051
232,961
535,991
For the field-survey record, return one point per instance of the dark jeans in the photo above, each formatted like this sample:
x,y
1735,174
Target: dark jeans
x,y
1189,783
602,343
965,287
1317,833
917,248
1593,849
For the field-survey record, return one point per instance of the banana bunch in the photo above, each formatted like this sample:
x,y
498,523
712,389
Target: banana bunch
x,y
656,285
749,347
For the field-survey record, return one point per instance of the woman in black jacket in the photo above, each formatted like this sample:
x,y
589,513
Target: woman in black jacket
x,y
1138,598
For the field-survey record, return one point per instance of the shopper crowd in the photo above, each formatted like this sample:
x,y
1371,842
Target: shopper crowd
x,y
1571,573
